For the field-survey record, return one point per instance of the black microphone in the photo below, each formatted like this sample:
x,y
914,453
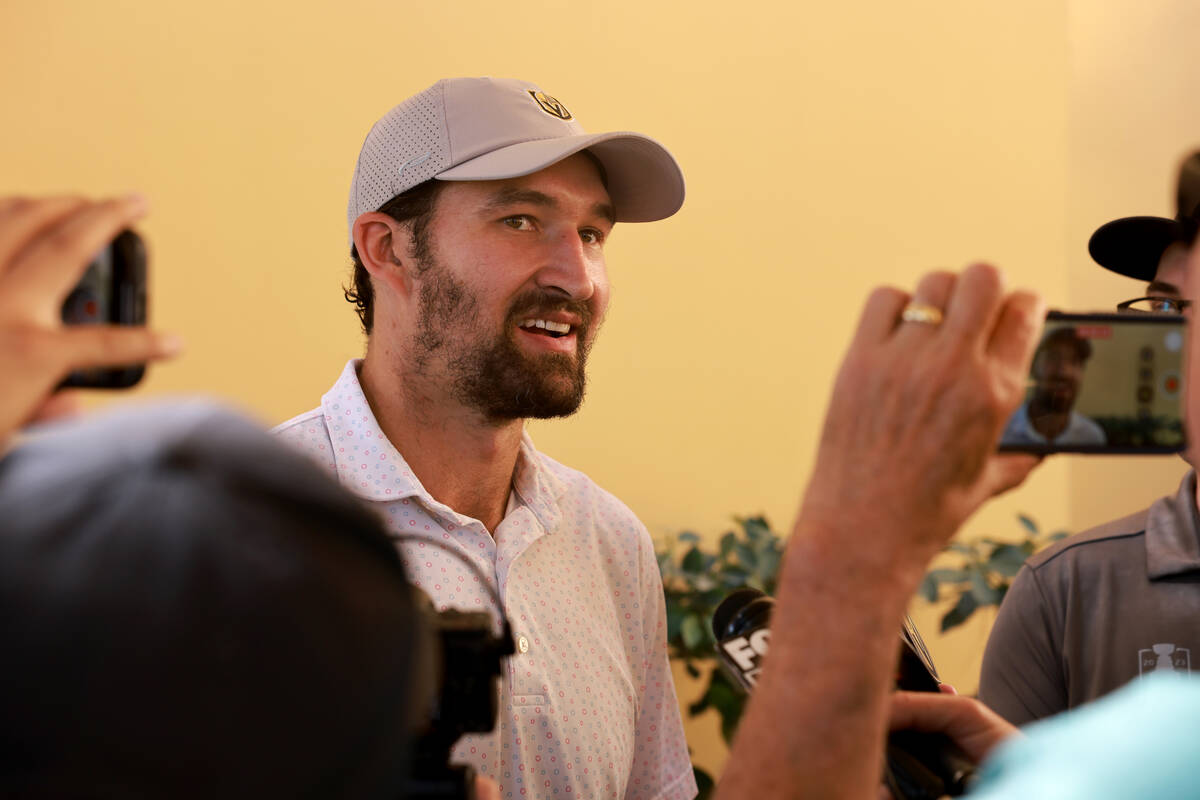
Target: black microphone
x,y
920,766
740,626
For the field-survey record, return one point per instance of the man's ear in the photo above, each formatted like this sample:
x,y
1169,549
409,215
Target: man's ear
x,y
383,246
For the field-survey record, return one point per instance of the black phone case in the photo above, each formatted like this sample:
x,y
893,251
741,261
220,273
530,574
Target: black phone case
x,y
126,302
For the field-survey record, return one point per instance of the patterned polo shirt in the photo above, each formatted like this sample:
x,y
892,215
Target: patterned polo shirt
x,y
587,707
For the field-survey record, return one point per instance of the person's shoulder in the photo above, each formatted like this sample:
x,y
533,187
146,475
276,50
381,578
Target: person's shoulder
x,y
301,425
1128,531
609,509
307,433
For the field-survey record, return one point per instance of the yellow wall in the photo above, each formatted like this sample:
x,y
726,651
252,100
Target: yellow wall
x,y
828,148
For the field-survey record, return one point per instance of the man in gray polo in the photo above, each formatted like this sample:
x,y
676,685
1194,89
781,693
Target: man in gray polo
x,y
478,216
1101,608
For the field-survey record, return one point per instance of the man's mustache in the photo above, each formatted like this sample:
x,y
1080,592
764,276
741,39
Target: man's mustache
x,y
533,304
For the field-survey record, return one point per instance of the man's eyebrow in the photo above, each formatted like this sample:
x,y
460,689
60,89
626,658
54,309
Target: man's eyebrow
x,y
1164,287
511,196
606,211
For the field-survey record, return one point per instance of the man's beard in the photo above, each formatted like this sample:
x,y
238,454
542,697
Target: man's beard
x,y
1056,399
495,377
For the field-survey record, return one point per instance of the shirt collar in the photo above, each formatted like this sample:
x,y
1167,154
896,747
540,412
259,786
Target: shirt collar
x,y
537,486
1173,532
358,443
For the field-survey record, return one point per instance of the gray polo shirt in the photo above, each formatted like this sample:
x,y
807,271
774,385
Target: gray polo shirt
x,y
1097,610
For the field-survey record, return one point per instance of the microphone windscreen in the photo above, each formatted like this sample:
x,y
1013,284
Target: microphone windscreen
x,y
729,608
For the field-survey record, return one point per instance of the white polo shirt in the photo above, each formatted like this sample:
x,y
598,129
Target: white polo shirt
x,y
588,707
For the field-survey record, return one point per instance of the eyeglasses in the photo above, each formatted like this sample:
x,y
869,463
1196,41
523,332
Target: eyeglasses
x,y
1155,304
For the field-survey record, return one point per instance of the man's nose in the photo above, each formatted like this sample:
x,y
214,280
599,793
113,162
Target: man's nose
x,y
570,268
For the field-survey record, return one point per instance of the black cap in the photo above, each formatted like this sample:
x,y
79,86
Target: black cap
x,y
1132,246
188,609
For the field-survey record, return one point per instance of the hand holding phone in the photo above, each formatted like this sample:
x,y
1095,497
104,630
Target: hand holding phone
x,y
1103,383
46,244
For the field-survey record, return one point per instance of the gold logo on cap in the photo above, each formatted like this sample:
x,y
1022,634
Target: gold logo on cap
x,y
550,105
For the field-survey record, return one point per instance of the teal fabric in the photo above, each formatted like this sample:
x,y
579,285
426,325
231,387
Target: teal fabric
x,y
1140,742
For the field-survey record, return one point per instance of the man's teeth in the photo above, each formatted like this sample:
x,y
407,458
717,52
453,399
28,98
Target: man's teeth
x,y
553,327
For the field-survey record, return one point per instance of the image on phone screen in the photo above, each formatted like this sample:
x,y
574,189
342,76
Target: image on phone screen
x,y
1103,383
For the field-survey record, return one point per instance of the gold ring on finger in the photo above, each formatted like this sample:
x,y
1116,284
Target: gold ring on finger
x,y
923,313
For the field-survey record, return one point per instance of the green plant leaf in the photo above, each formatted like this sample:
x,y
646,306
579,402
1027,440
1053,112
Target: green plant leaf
x,y
688,536
727,543
1028,524
963,609
928,588
746,555
948,575
704,782
1007,559
756,528
691,669
692,631
693,560
768,565
733,577
985,594
728,702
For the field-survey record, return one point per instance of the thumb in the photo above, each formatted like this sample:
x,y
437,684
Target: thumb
x,y
1007,471
86,346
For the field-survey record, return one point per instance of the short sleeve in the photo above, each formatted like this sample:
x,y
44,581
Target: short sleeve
x,y
1022,677
662,767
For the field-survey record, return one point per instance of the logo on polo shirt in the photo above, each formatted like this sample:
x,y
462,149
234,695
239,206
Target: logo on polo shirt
x,y
1164,658
550,105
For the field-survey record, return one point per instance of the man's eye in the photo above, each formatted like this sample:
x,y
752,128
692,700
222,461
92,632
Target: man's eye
x,y
519,222
592,236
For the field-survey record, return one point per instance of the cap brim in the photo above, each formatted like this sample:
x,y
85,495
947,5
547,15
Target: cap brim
x,y
1132,246
644,180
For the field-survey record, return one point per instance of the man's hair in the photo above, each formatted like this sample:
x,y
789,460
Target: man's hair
x,y
415,208
1067,336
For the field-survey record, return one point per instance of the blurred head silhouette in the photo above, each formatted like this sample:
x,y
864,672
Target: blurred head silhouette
x,y
189,610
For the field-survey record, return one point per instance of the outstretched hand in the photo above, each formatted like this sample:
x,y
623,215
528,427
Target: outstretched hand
x,y
45,247
910,438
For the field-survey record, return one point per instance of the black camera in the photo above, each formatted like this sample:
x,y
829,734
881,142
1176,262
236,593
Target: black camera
x,y
467,676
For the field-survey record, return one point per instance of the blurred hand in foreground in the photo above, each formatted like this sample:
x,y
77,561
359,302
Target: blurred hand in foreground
x,y
46,245
907,453
918,407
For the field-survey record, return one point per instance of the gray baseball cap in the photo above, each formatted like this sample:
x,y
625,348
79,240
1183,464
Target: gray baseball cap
x,y
478,129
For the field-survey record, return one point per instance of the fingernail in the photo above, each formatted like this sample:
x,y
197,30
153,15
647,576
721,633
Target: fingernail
x,y
137,201
169,345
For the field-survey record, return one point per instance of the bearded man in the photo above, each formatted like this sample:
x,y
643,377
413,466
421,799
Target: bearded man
x,y
478,216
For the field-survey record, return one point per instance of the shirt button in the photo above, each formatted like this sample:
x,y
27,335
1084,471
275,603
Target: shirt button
x,y
522,645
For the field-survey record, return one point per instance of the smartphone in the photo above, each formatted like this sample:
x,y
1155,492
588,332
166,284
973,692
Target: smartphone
x,y
111,292
1103,383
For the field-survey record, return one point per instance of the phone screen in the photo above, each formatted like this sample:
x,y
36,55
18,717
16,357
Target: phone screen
x,y
1103,383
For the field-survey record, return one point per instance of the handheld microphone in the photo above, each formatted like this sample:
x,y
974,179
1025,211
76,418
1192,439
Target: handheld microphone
x,y
740,625
920,766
